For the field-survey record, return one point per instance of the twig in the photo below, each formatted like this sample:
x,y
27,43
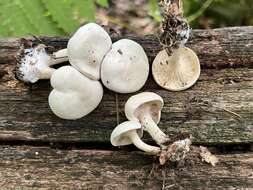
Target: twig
x,y
117,107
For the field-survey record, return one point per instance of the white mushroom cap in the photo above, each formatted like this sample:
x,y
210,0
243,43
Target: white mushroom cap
x,y
176,72
74,95
144,102
125,68
119,137
87,48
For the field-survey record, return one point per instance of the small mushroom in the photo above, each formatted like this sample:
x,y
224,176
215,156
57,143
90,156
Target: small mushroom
x,y
146,108
74,95
36,63
125,68
178,71
87,48
85,51
130,132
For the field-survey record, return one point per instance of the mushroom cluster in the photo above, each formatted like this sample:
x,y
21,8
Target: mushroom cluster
x,y
143,112
122,67
77,90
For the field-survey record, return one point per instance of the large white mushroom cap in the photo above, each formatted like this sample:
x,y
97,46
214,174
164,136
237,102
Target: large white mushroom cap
x,y
87,48
74,95
125,68
178,71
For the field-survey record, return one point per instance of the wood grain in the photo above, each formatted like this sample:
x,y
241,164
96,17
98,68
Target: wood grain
x,y
217,110
44,168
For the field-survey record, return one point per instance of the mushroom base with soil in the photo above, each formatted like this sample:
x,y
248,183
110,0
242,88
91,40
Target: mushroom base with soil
x,y
35,63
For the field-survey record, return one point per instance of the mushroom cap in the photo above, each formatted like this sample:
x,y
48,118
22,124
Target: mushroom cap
x,y
142,103
176,72
74,95
119,135
87,48
125,68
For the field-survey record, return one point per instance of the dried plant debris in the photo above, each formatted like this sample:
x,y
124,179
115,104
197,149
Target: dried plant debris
x,y
176,151
175,28
207,156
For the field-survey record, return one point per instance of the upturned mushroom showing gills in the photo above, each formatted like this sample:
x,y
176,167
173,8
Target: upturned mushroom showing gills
x,y
35,63
125,68
74,95
178,71
130,132
146,108
87,48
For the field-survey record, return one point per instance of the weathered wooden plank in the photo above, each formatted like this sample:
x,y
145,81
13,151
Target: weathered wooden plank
x,y
201,110
217,110
225,47
44,168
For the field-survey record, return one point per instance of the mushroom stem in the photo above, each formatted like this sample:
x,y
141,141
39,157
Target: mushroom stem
x,y
141,145
46,73
59,57
152,128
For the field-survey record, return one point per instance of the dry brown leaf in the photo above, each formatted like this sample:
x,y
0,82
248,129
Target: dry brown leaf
x,y
207,156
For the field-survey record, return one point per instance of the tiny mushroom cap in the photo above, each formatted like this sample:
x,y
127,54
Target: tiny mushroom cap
x,y
130,132
125,68
74,95
119,137
87,48
178,71
146,108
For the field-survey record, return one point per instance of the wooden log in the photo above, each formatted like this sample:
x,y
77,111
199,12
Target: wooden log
x,y
217,110
25,167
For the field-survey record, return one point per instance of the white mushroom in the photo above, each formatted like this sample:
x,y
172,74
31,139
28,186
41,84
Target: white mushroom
x,y
36,63
130,132
125,68
87,48
85,51
178,71
74,95
146,108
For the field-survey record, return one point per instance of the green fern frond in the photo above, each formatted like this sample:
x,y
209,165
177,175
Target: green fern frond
x,y
34,12
62,13
14,20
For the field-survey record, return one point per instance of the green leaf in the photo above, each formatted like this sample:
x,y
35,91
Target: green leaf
x,y
85,10
34,11
103,3
14,19
200,11
62,13
154,10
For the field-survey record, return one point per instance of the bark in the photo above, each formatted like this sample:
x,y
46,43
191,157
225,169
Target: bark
x,y
217,110
44,168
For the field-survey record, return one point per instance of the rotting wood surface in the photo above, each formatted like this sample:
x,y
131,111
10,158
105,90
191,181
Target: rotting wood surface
x,y
44,168
217,111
